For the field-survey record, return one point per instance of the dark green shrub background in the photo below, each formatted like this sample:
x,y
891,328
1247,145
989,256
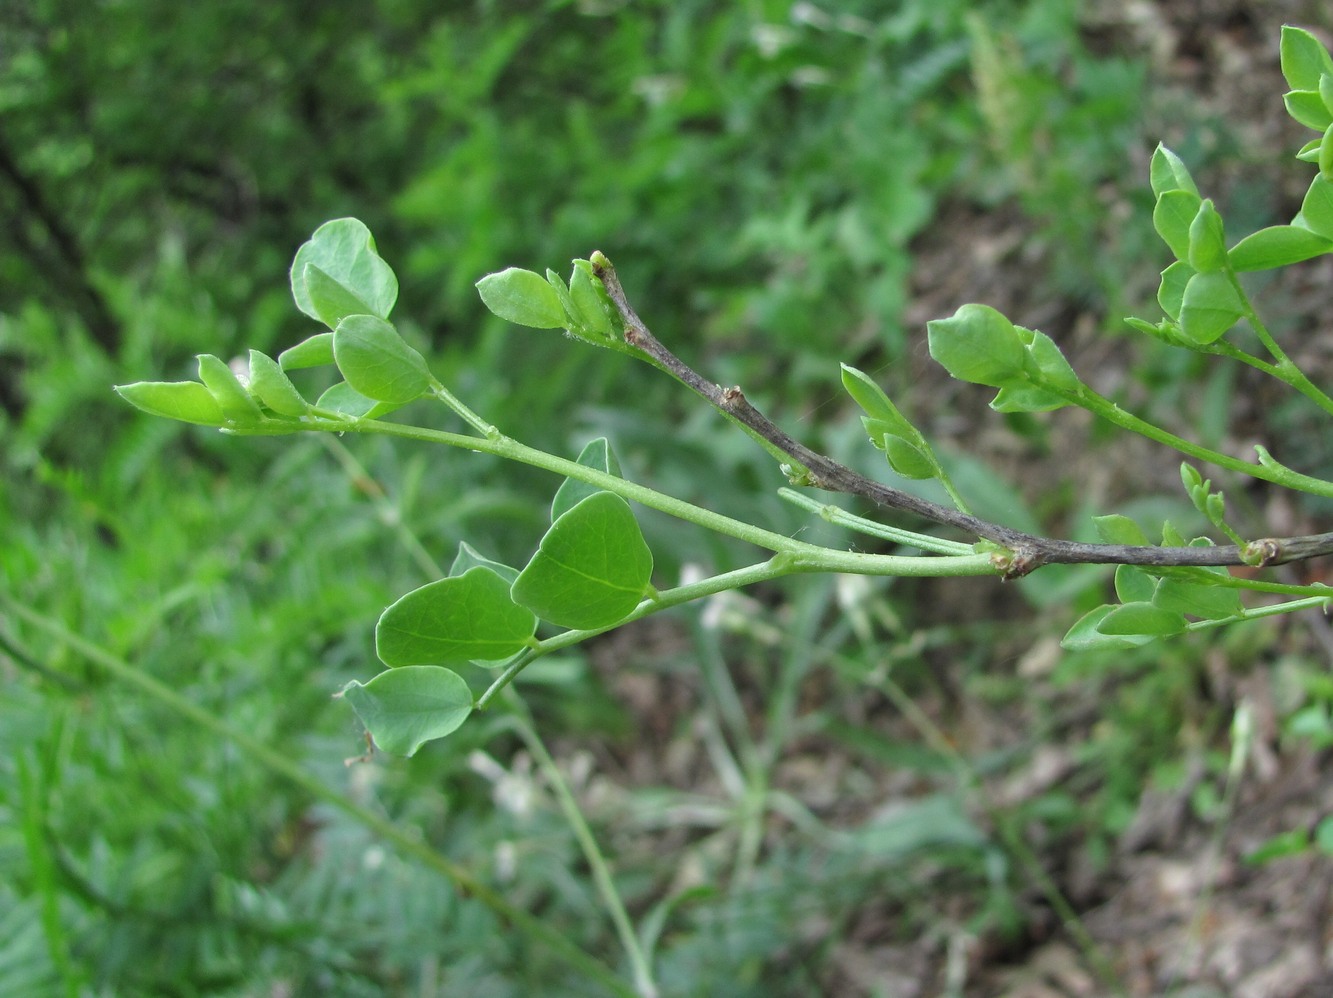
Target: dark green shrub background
x,y
763,174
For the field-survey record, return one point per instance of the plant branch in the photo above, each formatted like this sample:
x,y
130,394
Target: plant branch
x,y
1026,552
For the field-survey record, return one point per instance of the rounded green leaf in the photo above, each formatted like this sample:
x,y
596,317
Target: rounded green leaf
x,y
1172,217
331,300
977,344
906,458
344,251
1026,398
1115,528
345,399
465,617
1277,246
597,454
1134,585
1047,365
1210,306
313,351
1171,292
522,297
377,362
270,384
1198,599
188,401
405,708
1304,58
1168,172
1308,108
592,569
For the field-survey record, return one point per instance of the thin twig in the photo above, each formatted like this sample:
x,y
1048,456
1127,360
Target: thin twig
x,y
1025,552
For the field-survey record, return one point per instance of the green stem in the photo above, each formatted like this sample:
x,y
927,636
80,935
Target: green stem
x,y
908,538
282,766
456,404
774,568
1260,612
1285,369
1099,405
601,872
807,557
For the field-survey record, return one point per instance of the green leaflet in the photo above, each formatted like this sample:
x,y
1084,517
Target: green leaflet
x,y
405,708
592,569
343,250
522,297
459,619
377,362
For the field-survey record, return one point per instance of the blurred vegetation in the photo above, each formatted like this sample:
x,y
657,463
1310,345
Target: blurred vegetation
x,y
761,173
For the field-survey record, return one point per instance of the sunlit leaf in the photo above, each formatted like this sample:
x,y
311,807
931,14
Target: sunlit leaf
x,y
377,362
522,297
1168,172
1172,217
1277,246
344,251
1304,58
188,401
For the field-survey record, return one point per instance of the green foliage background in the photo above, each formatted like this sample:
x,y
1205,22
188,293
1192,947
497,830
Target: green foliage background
x,y
758,171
